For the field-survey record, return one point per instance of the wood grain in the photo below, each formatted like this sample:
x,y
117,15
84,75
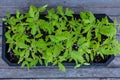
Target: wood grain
x,y
108,11
66,3
55,73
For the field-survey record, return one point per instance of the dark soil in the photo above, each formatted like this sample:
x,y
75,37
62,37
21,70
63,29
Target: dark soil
x,y
99,59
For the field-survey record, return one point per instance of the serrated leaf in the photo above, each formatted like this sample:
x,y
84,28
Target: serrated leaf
x,y
38,35
29,59
27,53
18,14
50,13
69,12
91,17
30,20
81,40
69,43
37,15
41,44
60,10
58,38
108,30
8,36
34,30
75,55
86,21
87,28
31,11
83,15
21,44
105,20
56,51
89,36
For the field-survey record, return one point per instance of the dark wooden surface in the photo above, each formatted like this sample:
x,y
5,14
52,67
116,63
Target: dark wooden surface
x,y
109,7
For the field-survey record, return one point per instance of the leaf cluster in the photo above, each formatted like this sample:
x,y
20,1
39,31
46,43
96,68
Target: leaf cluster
x,y
58,37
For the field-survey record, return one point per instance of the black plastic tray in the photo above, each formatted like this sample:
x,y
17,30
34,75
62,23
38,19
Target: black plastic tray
x,y
98,16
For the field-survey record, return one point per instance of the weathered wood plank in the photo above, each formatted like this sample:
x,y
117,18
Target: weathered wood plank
x,y
12,10
66,3
115,63
108,11
55,73
115,17
3,64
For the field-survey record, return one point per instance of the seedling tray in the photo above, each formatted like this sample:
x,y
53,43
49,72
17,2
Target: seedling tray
x,y
5,54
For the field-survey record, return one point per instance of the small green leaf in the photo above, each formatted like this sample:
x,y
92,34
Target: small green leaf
x,y
69,12
32,11
60,10
42,9
99,37
91,17
24,63
38,35
89,36
87,28
50,13
108,30
4,19
21,44
83,15
30,20
81,40
91,57
18,14
61,67
87,57
34,30
77,66
87,64
40,61
27,53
